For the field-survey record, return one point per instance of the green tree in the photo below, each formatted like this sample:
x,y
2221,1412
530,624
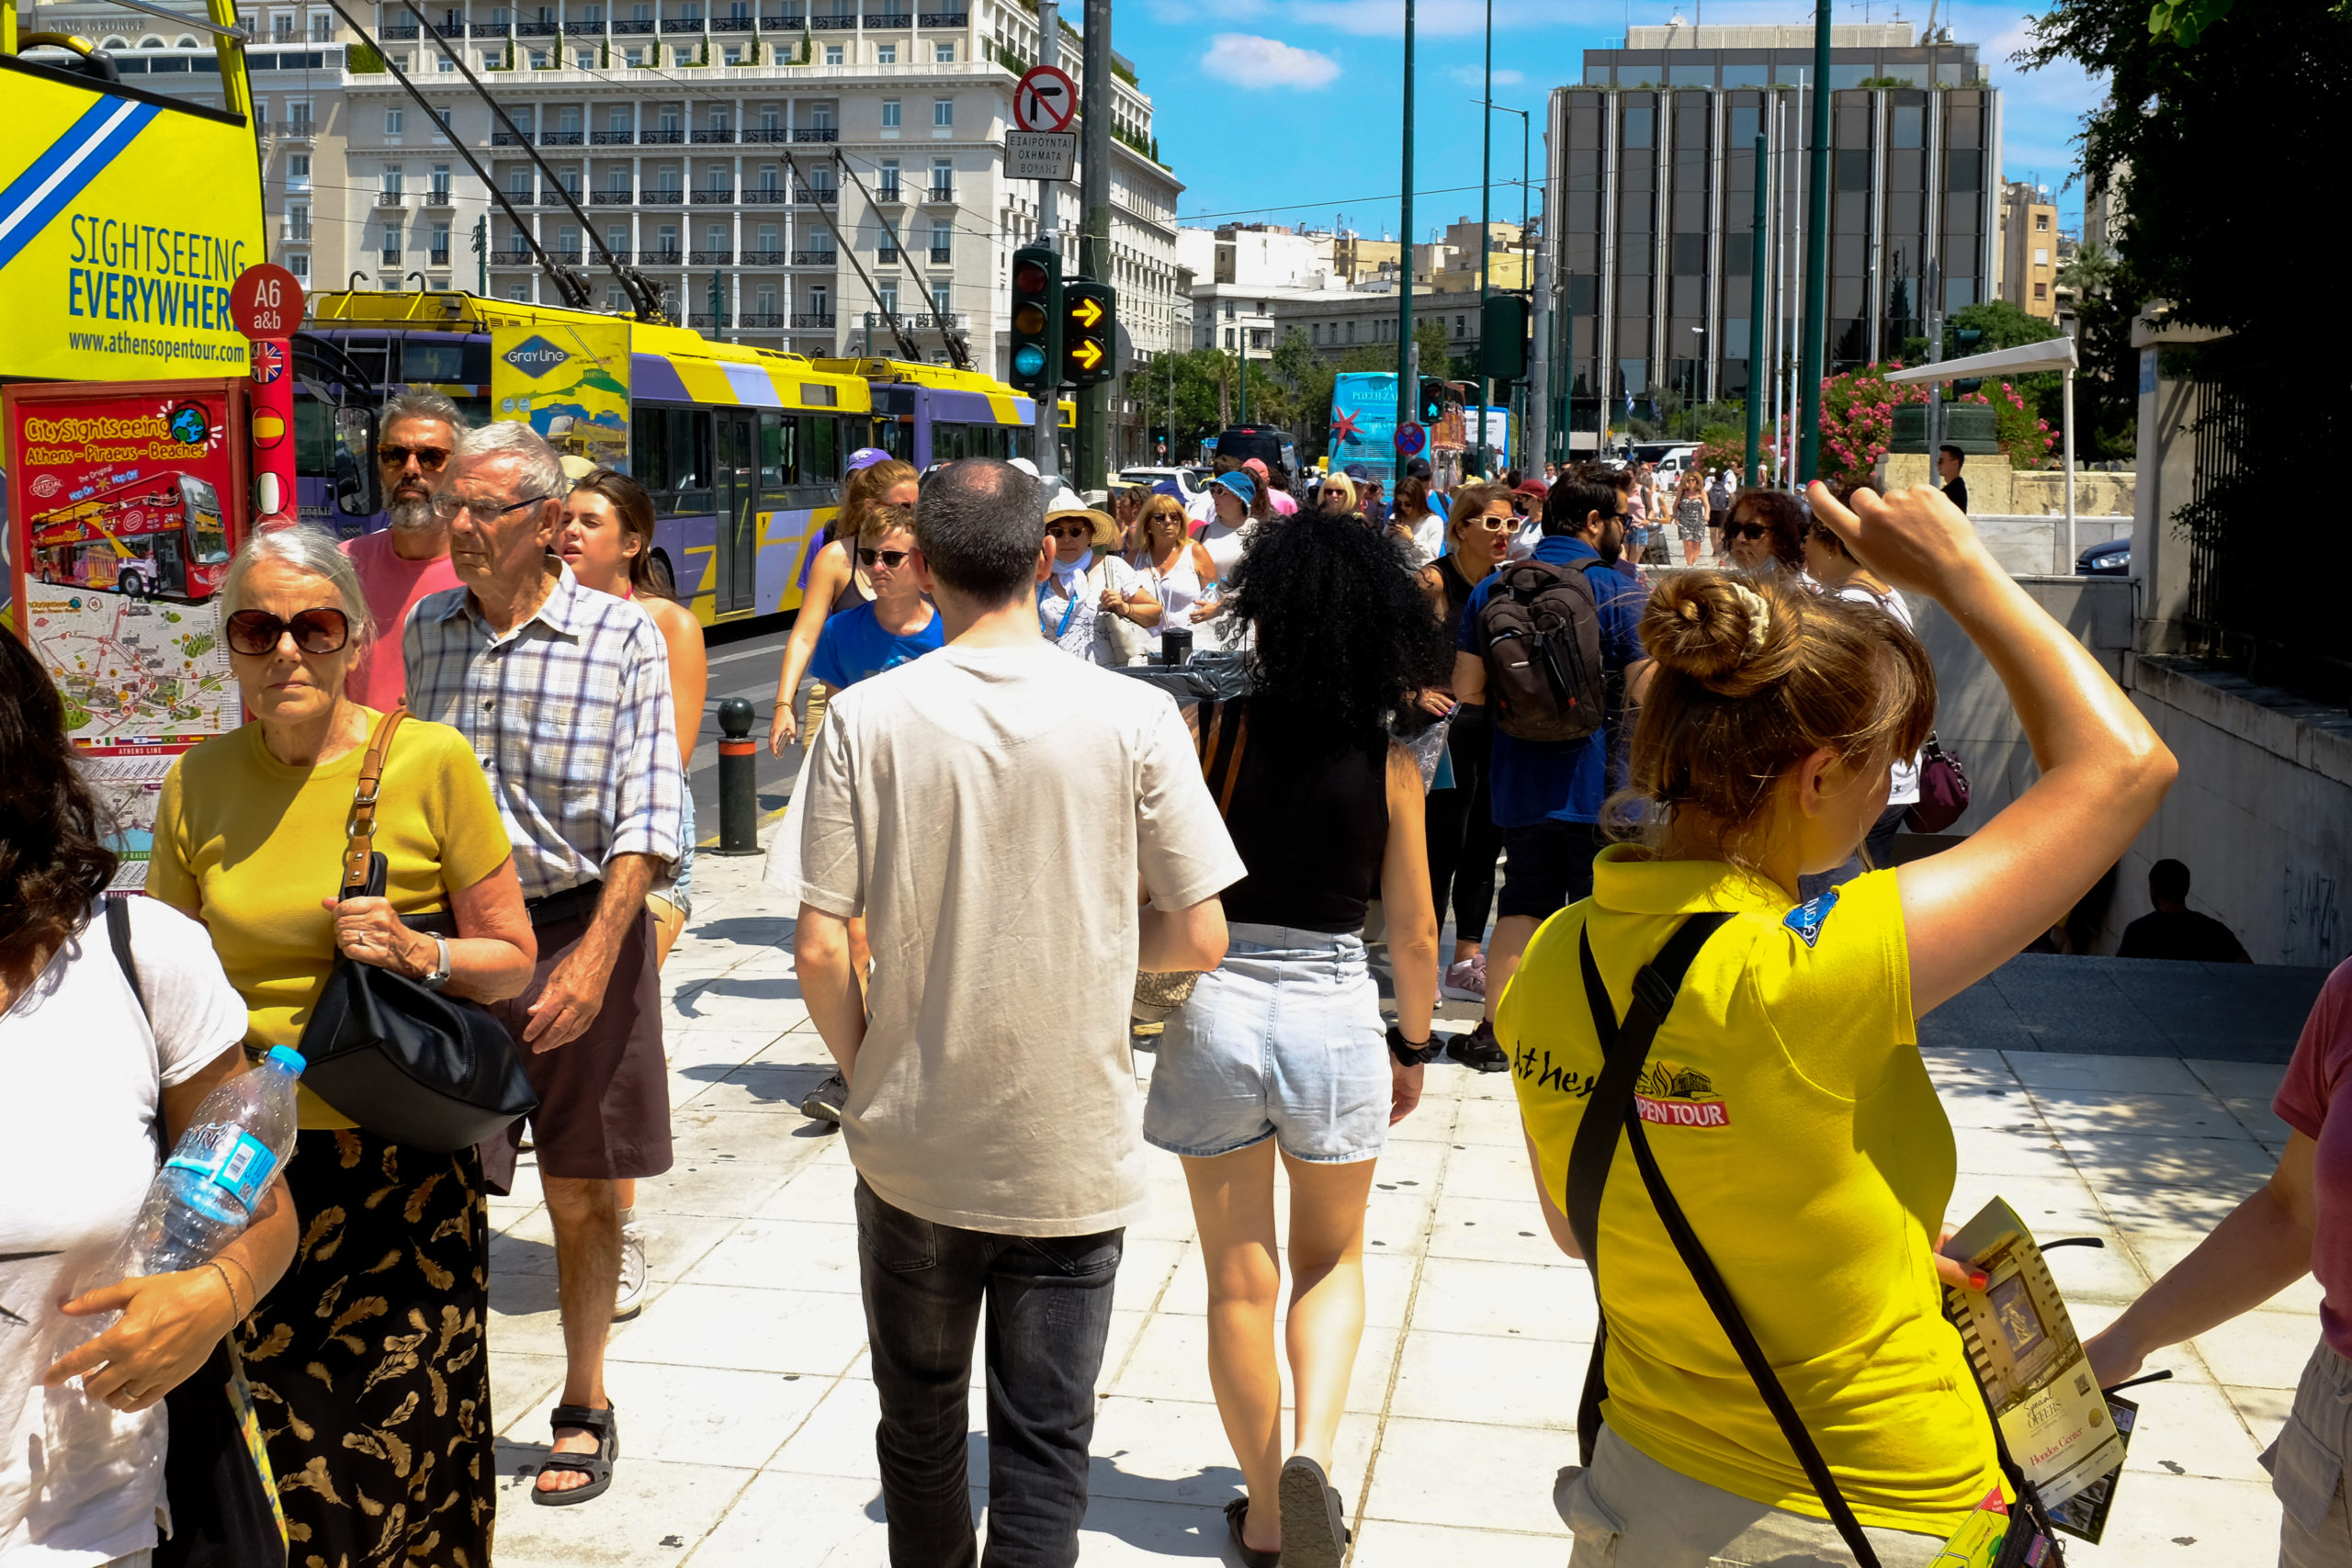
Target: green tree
x,y
2003,324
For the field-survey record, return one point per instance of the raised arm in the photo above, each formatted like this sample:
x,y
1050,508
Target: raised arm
x,y
2103,769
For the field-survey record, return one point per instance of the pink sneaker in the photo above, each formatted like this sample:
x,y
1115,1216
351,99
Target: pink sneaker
x,y
1467,980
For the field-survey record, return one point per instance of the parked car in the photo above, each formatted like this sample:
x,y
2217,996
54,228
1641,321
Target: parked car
x,y
1669,457
1268,443
1188,481
2111,558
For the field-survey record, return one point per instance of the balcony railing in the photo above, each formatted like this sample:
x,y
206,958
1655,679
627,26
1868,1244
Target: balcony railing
x,y
890,194
665,137
805,320
560,138
534,29
612,138
710,258
946,19
816,258
732,23
609,198
719,196
939,193
764,258
663,197
509,139
569,258
583,30
759,321
893,19
817,195
293,234
661,258
397,30
437,258
436,198
928,322
633,27
885,255
392,198
832,24
703,321
618,253
941,254
815,133
682,24
764,196
766,133
715,134
780,22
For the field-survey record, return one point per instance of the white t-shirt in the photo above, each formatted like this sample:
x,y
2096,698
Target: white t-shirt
x,y
82,1077
1906,791
969,805
1429,538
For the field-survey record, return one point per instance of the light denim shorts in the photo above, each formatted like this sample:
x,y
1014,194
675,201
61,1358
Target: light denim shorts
x,y
681,890
1283,1040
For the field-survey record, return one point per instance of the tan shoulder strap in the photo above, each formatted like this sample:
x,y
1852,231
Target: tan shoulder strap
x,y
362,842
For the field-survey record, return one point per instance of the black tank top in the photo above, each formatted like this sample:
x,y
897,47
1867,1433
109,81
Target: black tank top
x,y
1310,822
1458,589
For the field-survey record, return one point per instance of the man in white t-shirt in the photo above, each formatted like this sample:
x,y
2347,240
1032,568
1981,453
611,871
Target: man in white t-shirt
x,y
967,804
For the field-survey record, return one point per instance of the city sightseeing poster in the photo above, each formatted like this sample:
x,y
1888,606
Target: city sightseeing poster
x,y
124,503
569,382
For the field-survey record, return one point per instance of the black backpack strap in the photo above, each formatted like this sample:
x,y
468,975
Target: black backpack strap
x,y
1629,1045
119,938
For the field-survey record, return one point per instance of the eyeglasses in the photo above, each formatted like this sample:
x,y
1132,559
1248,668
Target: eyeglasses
x,y
447,507
1086,533
1747,530
891,559
429,459
256,632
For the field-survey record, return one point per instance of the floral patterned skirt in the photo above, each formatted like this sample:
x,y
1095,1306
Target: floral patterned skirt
x,y
369,1365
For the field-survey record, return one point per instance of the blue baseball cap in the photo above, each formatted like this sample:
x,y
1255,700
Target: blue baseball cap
x,y
866,456
1358,472
1240,484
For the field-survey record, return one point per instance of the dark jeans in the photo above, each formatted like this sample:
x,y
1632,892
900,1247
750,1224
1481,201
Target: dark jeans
x,y
1048,1301
1463,839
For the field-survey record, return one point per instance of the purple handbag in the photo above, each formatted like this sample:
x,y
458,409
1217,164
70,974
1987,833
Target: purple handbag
x,y
1943,790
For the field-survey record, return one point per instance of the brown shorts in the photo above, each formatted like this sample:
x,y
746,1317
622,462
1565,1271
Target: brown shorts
x,y
605,1097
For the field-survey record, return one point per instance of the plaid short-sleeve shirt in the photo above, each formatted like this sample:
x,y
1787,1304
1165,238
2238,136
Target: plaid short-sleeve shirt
x,y
570,716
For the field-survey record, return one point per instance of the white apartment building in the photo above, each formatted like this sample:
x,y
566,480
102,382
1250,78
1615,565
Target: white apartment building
x,y
784,170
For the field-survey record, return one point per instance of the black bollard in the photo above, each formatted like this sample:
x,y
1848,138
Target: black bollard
x,y
739,795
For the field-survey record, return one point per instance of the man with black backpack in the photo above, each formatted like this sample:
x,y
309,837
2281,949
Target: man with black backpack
x,y
1552,646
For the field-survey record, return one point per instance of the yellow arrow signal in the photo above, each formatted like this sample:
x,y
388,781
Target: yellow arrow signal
x,y
1088,313
1088,354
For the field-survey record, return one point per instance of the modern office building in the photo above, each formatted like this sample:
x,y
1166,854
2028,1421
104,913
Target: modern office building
x,y
1653,176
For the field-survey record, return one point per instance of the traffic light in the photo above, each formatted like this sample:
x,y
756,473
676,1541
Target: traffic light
x,y
1502,337
1089,332
1432,405
1965,340
1037,318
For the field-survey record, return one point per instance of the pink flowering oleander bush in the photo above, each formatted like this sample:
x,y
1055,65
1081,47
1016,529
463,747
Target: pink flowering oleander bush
x,y
1733,454
1858,421
2025,437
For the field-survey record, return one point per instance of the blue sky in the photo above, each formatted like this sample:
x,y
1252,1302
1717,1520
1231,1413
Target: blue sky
x,y
1290,110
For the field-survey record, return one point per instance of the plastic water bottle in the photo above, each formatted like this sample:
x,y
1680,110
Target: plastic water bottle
x,y
205,1195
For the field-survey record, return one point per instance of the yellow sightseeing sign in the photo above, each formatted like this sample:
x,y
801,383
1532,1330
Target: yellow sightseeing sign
x,y
124,221
570,382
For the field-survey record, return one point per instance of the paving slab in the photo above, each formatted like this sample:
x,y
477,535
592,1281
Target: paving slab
x,y
2122,1100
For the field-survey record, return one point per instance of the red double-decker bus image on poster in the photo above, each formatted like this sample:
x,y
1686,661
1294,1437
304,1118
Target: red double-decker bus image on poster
x,y
125,502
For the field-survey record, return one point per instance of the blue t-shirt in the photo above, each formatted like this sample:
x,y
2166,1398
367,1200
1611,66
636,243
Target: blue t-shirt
x,y
1561,781
853,646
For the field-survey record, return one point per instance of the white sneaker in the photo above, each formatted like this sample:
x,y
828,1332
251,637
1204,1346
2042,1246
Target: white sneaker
x,y
632,1299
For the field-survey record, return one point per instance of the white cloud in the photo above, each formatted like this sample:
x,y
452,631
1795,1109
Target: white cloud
x,y
1472,76
1246,61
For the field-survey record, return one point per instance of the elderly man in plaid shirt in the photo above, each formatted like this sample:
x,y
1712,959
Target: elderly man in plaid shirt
x,y
565,694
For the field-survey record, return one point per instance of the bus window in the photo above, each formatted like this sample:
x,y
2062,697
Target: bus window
x,y
314,442
779,450
897,437
947,443
674,458
821,459
437,362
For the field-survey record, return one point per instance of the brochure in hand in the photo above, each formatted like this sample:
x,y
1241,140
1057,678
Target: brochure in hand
x,y
2059,1429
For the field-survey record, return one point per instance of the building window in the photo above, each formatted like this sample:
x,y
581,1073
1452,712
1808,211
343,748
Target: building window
x,y
298,171
1351,331
2042,223
942,180
889,114
393,120
391,244
886,183
298,264
942,54
321,27
298,117
886,249
820,117
2042,291
585,59
1459,329
635,58
1319,334
832,54
441,181
942,240
942,298
885,54
392,177
440,253
889,292
943,114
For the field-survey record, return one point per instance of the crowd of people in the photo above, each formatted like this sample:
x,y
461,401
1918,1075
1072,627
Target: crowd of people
x,y
1003,848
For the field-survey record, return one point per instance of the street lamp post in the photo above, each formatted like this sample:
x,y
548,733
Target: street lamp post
x,y
1407,395
1526,275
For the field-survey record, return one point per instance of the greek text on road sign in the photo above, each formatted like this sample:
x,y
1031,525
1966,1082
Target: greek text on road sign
x,y
1046,99
1040,155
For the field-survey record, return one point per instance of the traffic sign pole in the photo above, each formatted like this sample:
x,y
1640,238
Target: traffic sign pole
x,y
1047,436
265,303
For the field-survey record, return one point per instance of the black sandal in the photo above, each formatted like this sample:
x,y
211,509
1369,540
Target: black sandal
x,y
1315,1533
1235,1512
604,1426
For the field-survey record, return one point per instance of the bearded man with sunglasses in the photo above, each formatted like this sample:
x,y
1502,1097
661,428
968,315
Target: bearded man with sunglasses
x,y
409,560
564,693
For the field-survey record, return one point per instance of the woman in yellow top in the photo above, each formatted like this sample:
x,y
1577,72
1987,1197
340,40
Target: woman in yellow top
x,y
1783,1097
368,1359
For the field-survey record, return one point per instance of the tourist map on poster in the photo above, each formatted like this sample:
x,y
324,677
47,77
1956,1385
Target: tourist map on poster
x,y
133,672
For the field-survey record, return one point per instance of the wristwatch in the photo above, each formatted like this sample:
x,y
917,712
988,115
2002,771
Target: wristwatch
x,y
440,975
1409,1054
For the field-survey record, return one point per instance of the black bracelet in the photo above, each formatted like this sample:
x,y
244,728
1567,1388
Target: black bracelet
x,y
1410,1055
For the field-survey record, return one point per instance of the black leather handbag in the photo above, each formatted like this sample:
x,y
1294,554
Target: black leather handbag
x,y
407,1063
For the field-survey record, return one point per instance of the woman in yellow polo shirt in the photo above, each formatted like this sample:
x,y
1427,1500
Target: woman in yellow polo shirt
x,y
367,1358
1783,1096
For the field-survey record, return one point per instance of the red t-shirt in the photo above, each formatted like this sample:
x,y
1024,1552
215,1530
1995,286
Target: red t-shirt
x,y
2323,1063
391,586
